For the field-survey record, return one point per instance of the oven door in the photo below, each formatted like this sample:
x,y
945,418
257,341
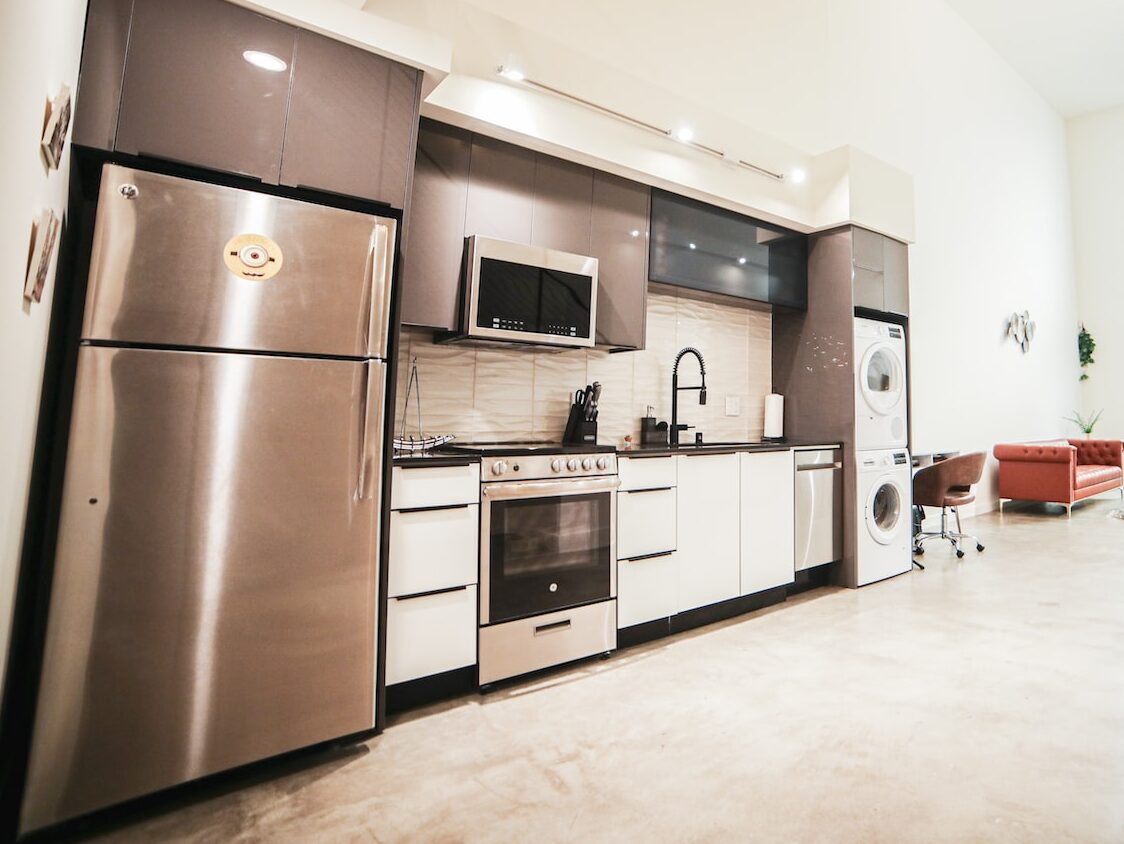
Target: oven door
x,y
546,545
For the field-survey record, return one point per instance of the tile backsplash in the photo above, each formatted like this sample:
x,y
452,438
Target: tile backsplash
x,y
500,392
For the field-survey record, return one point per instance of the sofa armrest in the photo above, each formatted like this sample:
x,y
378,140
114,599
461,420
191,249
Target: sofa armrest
x,y
1034,453
1099,452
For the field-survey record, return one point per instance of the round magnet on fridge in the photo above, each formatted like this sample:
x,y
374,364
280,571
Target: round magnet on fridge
x,y
253,256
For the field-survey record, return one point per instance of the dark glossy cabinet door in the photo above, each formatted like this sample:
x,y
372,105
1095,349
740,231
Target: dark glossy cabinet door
x,y
351,124
619,240
880,272
103,66
190,95
501,188
563,198
432,264
704,247
896,269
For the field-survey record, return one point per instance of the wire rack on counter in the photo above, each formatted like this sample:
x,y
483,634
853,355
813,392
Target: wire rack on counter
x,y
423,441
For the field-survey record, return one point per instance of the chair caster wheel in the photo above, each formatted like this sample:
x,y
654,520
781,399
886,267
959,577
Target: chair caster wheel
x,y
959,553
979,547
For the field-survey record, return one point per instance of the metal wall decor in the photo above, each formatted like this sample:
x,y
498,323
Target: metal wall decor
x,y
1021,327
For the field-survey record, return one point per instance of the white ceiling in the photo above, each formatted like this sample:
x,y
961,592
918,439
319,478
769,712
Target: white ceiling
x,y
1072,52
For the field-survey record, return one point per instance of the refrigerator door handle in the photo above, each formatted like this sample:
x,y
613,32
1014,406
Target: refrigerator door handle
x,y
379,262
370,432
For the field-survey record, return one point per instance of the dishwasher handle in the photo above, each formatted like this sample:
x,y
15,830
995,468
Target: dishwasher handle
x,y
817,466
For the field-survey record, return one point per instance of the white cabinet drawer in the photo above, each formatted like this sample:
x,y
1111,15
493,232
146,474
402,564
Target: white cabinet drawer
x,y
646,472
516,647
645,522
437,486
429,634
433,549
646,589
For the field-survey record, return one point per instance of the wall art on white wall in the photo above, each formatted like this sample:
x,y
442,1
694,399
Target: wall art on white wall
x,y
43,237
1021,327
57,125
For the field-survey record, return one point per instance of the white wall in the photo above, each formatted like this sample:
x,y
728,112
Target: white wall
x,y
915,86
40,43
909,82
1096,160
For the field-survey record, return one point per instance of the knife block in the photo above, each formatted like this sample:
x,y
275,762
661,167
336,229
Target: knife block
x,y
579,430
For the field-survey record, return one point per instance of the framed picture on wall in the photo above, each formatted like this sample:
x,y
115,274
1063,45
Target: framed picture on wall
x,y
58,124
44,235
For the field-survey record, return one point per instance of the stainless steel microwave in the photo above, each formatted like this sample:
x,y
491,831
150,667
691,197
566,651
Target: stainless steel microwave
x,y
528,294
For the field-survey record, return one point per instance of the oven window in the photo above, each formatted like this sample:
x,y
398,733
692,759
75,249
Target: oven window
x,y
549,553
518,297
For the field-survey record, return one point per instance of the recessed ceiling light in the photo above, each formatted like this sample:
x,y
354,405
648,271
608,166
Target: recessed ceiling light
x,y
513,74
634,233
684,134
690,246
266,61
741,260
798,175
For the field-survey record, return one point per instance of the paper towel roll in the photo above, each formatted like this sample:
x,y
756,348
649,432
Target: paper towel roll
x,y
774,416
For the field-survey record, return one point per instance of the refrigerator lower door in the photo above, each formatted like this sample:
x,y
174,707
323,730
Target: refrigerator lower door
x,y
215,590
177,262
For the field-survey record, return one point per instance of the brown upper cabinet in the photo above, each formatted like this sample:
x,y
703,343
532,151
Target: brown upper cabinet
x,y
352,124
619,239
466,184
310,112
880,272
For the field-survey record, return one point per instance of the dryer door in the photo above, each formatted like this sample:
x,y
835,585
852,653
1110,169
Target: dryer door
x,y
886,510
882,378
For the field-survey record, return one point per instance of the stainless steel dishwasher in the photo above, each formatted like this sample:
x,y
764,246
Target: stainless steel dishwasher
x,y
819,507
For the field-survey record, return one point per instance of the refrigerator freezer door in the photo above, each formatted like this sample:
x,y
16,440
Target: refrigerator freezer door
x,y
215,590
183,263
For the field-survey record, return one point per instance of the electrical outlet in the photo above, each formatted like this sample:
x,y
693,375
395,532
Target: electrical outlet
x,y
733,406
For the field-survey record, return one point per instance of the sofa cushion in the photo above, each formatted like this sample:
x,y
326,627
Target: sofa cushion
x,y
1091,474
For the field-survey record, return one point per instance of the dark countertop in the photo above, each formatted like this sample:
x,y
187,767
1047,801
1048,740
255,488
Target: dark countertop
x,y
721,448
433,459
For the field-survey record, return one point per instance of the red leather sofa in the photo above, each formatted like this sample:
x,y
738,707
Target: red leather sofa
x,y
1059,471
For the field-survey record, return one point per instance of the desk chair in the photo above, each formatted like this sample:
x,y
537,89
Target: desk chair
x,y
948,485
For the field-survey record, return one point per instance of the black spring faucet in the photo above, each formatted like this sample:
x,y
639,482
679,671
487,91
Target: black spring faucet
x,y
673,433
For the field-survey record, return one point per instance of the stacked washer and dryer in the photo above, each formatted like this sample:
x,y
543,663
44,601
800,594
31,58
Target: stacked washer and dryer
x,y
883,476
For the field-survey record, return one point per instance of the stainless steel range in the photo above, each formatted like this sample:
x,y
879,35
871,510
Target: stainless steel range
x,y
547,555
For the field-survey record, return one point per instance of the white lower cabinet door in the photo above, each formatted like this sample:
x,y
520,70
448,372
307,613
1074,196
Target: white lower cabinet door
x,y
433,549
646,589
429,634
768,524
645,522
709,527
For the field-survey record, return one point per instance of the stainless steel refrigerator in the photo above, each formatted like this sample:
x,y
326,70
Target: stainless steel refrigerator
x,y
215,594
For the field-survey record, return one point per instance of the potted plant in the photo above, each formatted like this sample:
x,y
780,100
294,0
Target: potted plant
x,y
1086,424
1085,346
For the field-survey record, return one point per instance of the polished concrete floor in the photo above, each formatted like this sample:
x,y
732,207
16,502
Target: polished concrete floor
x,y
980,700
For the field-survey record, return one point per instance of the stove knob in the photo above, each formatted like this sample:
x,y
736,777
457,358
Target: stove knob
x,y
602,463
556,465
587,464
572,464
499,467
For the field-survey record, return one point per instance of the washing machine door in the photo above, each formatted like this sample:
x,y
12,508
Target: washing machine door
x,y
886,510
882,378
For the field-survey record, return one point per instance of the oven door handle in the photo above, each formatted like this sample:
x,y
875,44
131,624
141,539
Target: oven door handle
x,y
542,489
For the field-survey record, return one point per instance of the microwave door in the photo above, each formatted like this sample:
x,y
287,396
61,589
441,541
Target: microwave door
x,y
183,263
